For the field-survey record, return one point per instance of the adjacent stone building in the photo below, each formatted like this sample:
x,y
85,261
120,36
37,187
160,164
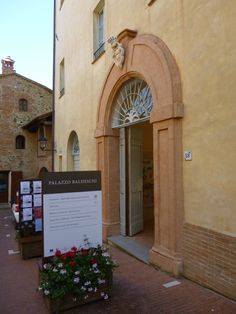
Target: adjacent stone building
x,y
145,92
21,101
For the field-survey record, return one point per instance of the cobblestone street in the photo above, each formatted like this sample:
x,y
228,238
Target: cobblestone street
x,y
138,288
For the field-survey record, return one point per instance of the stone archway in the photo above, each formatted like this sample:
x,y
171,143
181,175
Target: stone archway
x,y
42,171
73,152
147,57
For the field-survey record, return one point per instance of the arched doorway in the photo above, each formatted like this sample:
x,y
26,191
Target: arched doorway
x,y
73,153
131,114
149,59
42,171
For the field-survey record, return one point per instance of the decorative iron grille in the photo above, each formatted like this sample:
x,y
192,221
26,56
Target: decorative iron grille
x,y
133,103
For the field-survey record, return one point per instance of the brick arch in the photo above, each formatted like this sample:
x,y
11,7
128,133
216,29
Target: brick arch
x,y
147,57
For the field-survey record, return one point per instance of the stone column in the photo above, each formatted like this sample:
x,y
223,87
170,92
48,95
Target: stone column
x,y
168,202
108,163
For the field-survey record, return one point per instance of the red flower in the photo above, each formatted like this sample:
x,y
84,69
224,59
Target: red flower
x,y
93,261
58,253
70,254
74,249
72,263
63,257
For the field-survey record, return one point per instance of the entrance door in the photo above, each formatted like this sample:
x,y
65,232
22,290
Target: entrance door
x,y
3,187
135,162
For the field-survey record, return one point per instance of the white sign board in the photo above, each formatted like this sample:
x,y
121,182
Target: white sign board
x,y
72,210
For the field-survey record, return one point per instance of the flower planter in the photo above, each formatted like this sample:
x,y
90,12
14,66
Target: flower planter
x,y
31,246
68,302
76,277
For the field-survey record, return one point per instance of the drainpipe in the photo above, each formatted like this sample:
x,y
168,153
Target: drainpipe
x,y
53,83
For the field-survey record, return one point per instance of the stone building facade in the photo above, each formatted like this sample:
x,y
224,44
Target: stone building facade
x,y
21,101
145,91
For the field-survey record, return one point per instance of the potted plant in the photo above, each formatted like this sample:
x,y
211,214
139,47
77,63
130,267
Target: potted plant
x,y
76,277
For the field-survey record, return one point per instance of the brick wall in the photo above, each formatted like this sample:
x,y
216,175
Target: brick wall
x,y
12,88
210,259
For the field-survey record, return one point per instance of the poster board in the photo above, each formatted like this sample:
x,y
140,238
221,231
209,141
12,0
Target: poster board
x,y
72,210
30,207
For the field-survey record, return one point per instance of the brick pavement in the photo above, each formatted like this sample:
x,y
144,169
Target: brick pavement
x,y
137,287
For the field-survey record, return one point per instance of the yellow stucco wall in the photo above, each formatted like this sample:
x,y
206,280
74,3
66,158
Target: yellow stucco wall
x,y
200,34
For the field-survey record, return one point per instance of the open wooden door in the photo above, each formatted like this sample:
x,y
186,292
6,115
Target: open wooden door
x,y
122,183
135,161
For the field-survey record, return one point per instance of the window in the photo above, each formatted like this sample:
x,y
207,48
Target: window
x,y
133,103
62,78
20,142
23,104
98,24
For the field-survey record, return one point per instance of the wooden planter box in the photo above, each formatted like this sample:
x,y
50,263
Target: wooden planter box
x,y
58,306
31,246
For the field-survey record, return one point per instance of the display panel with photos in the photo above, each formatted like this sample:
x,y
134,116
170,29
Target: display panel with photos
x,y
30,218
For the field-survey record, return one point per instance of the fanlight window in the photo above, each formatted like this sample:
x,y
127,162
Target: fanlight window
x,y
133,103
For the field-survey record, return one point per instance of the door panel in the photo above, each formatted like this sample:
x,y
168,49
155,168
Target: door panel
x,y
76,162
16,176
122,183
135,181
4,187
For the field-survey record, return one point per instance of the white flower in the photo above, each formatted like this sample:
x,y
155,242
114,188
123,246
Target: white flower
x,y
105,297
101,281
55,270
87,283
95,289
86,296
39,288
46,266
83,288
106,254
77,272
46,292
102,294
95,265
90,289
96,271
60,265
76,279
62,271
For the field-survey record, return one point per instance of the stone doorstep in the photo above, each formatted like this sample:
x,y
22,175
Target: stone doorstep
x,y
4,206
131,247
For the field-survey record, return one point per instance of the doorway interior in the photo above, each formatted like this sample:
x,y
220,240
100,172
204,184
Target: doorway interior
x,y
137,184
4,190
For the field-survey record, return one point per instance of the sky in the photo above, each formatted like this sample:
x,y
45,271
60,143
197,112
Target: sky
x,y
26,34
